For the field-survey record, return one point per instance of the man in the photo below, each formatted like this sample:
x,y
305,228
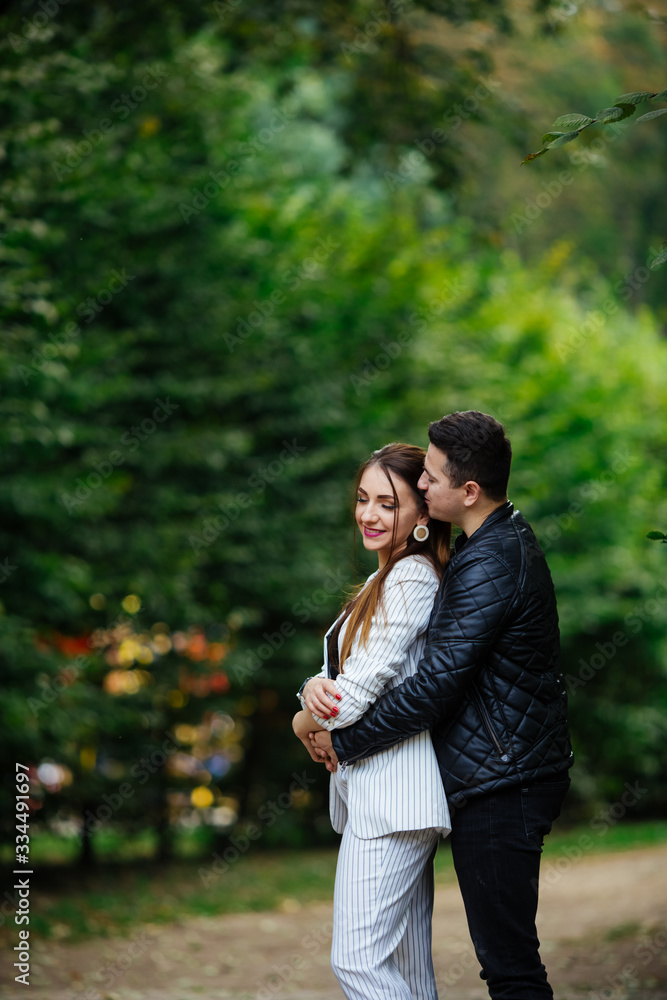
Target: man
x,y
490,690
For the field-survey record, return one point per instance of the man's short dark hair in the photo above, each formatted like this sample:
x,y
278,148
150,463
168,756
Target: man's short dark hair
x,y
477,449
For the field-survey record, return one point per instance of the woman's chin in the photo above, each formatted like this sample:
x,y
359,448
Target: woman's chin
x,y
372,544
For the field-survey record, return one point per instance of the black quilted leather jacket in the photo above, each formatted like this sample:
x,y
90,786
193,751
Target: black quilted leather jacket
x,y
489,685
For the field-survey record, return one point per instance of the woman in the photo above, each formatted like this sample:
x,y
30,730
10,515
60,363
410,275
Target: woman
x,y
390,808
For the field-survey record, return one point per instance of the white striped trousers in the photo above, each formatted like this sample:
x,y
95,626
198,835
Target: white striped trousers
x,y
383,904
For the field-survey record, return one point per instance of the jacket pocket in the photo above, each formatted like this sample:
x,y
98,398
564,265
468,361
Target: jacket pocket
x,y
503,752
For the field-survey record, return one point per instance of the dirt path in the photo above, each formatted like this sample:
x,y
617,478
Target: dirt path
x,y
603,926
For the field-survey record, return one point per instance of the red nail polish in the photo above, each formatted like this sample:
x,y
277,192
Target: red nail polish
x,y
334,711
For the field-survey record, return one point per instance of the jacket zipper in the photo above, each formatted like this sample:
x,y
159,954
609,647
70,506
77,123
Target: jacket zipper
x,y
488,725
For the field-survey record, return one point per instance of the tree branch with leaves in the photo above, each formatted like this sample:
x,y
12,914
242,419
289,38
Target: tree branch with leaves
x,y
624,107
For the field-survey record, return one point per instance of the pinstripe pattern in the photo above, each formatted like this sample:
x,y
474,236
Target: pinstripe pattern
x,y
399,788
383,903
391,809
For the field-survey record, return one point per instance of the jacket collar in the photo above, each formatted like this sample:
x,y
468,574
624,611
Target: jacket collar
x,y
499,514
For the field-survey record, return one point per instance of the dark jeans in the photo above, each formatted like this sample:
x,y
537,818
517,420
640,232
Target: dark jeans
x,y
496,845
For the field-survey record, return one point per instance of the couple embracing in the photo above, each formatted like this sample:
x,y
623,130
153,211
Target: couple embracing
x,y
441,710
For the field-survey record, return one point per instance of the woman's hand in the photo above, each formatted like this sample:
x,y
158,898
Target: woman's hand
x,y
322,748
303,724
316,696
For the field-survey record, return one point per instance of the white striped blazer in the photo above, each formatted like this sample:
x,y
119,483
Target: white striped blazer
x,y
399,788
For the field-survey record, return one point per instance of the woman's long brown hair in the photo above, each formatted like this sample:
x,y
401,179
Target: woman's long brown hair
x,y
406,462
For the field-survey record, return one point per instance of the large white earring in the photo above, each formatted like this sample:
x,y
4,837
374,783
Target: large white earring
x,y
420,532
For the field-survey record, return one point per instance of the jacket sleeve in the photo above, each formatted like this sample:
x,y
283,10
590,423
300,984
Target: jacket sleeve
x,y
408,600
477,595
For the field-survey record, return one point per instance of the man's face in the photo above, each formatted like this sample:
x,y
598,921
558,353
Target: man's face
x,y
445,502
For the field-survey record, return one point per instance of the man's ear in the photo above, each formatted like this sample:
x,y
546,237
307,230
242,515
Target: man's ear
x,y
472,491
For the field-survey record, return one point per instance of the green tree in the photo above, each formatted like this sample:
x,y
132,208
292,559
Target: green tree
x,y
227,280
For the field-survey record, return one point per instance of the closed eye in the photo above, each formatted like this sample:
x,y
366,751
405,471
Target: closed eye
x,y
386,506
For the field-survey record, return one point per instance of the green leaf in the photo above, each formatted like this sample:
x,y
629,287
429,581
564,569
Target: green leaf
x,y
662,96
652,114
613,114
551,136
627,109
533,156
562,139
572,121
635,98
657,536
659,258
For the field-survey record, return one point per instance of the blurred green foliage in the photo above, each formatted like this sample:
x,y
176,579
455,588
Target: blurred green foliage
x,y
243,245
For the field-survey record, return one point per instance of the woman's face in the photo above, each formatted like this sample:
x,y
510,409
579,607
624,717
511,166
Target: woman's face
x,y
376,512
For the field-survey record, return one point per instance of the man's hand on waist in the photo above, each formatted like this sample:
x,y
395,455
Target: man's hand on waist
x,y
323,748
